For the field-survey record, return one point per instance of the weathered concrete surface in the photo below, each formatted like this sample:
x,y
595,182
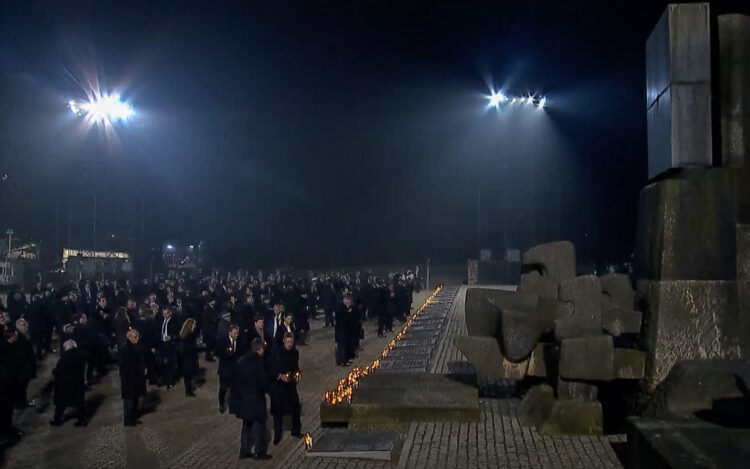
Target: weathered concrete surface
x,y
618,291
574,418
556,260
678,89
483,306
520,332
687,227
573,328
629,364
536,406
585,292
484,353
616,321
696,385
589,358
692,444
689,319
734,74
534,283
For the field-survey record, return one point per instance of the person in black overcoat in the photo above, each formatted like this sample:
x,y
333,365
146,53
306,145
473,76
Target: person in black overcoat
x,y
302,317
189,351
209,321
284,397
286,327
70,384
247,401
132,377
8,380
166,352
25,358
343,331
228,350
258,331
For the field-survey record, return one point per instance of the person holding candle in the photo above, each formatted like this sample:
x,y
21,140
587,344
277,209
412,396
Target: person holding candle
x,y
284,396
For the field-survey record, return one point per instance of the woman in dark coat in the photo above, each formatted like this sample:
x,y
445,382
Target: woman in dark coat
x,y
189,351
70,384
284,396
247,401
132,378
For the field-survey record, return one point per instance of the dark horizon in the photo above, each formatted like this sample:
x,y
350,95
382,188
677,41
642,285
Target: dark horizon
x,y
335,133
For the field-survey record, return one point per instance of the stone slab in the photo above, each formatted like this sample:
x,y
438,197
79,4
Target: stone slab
x,y
410,351
629,364
618,291
536,406
400,363
483,307
520,332
425,334
616,321
589,358
568,390
398,397
409,342
544,360
376,446
690,444
574,418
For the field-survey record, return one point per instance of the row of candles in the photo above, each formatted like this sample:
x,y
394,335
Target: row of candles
x,y
347,385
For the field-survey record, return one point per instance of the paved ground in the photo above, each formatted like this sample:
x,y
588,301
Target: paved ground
x,y
182,432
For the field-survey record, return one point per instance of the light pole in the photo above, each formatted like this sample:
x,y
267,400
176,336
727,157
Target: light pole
x,y
102,110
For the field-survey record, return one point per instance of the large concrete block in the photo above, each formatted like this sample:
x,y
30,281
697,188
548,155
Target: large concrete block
x,y
618,290
536,406
483,306
696,385
734,72
574,418
629,364
572,328
589,358
485,355
557,259
678,77
521,332
689,319
585,292
687,227
617,321
534,283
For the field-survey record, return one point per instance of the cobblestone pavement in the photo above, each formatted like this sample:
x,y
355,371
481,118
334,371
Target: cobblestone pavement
x,y
182,432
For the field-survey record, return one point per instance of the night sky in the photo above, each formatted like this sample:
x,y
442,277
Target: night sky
x,y
320,133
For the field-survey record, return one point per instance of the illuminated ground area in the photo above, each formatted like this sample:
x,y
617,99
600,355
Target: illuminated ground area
x,y
181,432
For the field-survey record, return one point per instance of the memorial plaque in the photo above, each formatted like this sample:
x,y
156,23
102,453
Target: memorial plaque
x,y
415,351
376,446
403,364
420,335
425,327
409,342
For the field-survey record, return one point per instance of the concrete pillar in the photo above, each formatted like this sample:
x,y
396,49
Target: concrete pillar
x,y
678,89
734,69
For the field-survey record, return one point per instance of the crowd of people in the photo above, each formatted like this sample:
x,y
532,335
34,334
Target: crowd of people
x,y
156,330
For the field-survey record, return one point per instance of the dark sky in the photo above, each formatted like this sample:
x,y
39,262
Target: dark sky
x,y
319,132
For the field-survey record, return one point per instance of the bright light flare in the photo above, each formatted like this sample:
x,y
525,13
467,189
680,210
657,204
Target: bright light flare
x,y
542,102
105,108
496,99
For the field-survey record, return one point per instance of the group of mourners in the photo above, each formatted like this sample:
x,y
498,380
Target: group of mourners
x,y
155,331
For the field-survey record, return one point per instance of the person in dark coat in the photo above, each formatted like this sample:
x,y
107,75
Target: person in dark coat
x,y
302,318
209,321
70,384
8,380
258,332
166,353
343,333
247,401
328,302
286,327
132,377
23,354
284,396
189,351
227,350
121,325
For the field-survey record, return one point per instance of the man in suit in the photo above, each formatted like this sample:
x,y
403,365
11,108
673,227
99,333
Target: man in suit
x,y
166,354
209,321
132,378
274,322
248,401
228,353
284,396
